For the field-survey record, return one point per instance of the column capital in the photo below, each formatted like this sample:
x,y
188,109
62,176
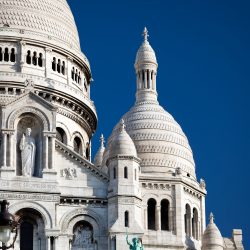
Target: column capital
x,y
49,134
8,131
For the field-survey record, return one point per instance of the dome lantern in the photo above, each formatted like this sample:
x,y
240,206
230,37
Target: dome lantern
x,y
146,70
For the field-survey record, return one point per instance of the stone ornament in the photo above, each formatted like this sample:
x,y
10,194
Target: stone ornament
x,y
68,173
28,152
83,238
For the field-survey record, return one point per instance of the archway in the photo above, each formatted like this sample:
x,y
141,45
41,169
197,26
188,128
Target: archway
x,y
32,230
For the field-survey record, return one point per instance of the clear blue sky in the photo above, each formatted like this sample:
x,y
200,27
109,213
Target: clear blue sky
x,y
203,52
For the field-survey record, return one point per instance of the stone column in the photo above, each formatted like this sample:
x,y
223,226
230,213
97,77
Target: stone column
x,y
69,68
48,62
146,218
11,143
22,54
158,218
48,243
45,151
4,148
52,153
145,79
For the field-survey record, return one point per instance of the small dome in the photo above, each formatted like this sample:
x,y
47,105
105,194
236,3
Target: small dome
x,y
145,54
99,155
212,238
122,144
44,20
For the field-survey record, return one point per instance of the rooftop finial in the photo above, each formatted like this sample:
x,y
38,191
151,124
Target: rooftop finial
x,y
102,140
211,218
122,125
145,34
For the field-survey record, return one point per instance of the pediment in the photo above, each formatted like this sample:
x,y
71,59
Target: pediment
x,y
29,98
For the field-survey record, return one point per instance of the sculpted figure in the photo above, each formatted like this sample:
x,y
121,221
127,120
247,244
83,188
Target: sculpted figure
x,y
135,245
28,151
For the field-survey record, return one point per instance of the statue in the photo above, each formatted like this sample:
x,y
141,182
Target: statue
x,y
28,151
135,245
83,238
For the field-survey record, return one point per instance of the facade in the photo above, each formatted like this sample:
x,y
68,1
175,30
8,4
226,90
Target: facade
x,y
143,183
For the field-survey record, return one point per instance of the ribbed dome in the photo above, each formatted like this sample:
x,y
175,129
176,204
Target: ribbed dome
x,y
122,144
212,238
159,140
49,20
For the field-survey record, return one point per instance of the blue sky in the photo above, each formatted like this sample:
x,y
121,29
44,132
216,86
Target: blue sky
x,y
203,80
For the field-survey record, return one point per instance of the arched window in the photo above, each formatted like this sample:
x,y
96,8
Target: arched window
x,y
28,57
195,230
76,76
63,68
114,173
187,219
40,60
165,215
126,219
73,73
151,214
59,66
54,64
1,54
61,135
87,151
78,145
12,55
34,59
126,173
26,235
79,78
6,55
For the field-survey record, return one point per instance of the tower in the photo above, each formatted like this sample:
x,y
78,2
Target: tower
x,y
124,195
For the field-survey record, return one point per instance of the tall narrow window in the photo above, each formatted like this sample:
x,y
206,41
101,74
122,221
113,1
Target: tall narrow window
x,y
165,215
61,135
34,59
114,173
63,68
73,73
126,173
40,60
126,219
76,76
28,57
87,151
1,54
187,219
79,78
78,145
195,232
54,64
59,66
12,55
151,214
6,55
135,174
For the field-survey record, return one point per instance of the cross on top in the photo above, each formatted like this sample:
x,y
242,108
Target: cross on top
x,y
145,34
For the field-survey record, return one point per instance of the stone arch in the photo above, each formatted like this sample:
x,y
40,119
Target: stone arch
x,y
14,208
12,119
78,143
72,217
65,128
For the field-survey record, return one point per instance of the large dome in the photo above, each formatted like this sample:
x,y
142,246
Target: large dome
x,y
49,20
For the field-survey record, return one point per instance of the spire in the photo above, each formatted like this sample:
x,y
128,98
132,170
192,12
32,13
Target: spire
x,y
145,34
102,140
211,220
122,126
99,155
146,69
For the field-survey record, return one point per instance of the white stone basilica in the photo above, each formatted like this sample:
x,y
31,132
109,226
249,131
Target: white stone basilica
x,y
142,184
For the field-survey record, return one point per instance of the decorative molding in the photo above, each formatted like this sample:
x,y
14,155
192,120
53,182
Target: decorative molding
x,y
157,186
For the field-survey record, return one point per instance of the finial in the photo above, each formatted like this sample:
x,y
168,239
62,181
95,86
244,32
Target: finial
x,y
211,218
102,140
145,34
122,125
